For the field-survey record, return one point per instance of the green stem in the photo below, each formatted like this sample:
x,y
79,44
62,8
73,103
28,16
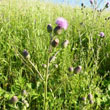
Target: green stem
x,y
45,87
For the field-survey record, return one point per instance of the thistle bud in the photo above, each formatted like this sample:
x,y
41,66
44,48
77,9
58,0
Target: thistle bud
x,y
49,28
14,99
24,93
82,4
65,43
90,96
26,103
44,65
78,69
91,2
55,42
56,66
70,69
91,101
58,30
26,54
107,5
83,98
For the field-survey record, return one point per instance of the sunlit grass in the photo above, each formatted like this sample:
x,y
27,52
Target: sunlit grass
x,y
23,25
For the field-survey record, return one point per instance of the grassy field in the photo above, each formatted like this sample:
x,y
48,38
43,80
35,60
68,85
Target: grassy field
x,y
78,79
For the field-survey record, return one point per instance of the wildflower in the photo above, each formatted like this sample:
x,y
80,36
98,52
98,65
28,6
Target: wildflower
x,y
65,43
70,69
102,34
49,28
57,30
62,23
107,4
83,98
91,101
14,99
26,54
91,1
55,42
24,92
82,4
90,96
77,69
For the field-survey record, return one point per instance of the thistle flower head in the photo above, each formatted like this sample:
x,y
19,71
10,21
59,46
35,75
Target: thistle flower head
x,y
82,4
44,65
26,54
78,69
107,4
58,30
14,99
70,69
24,93
102,34
49,28
91,2
91,101
83,98
90,96
62,23
55,42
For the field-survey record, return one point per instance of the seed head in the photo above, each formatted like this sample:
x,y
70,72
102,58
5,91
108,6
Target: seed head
x,y
55,42
14,99
78,69
49,28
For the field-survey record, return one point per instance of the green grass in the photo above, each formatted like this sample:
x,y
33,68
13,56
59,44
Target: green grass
x,y
23,25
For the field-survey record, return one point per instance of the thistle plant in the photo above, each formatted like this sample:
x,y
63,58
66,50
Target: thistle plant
x,y
62,24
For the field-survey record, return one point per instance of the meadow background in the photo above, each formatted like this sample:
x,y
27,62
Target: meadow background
x,y
23,25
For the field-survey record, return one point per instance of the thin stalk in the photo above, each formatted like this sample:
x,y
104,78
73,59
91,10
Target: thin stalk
x,y
46,75
45,86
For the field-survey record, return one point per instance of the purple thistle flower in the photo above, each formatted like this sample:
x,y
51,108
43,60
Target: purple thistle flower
x,y
102,34
107,4
62,23
91,1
